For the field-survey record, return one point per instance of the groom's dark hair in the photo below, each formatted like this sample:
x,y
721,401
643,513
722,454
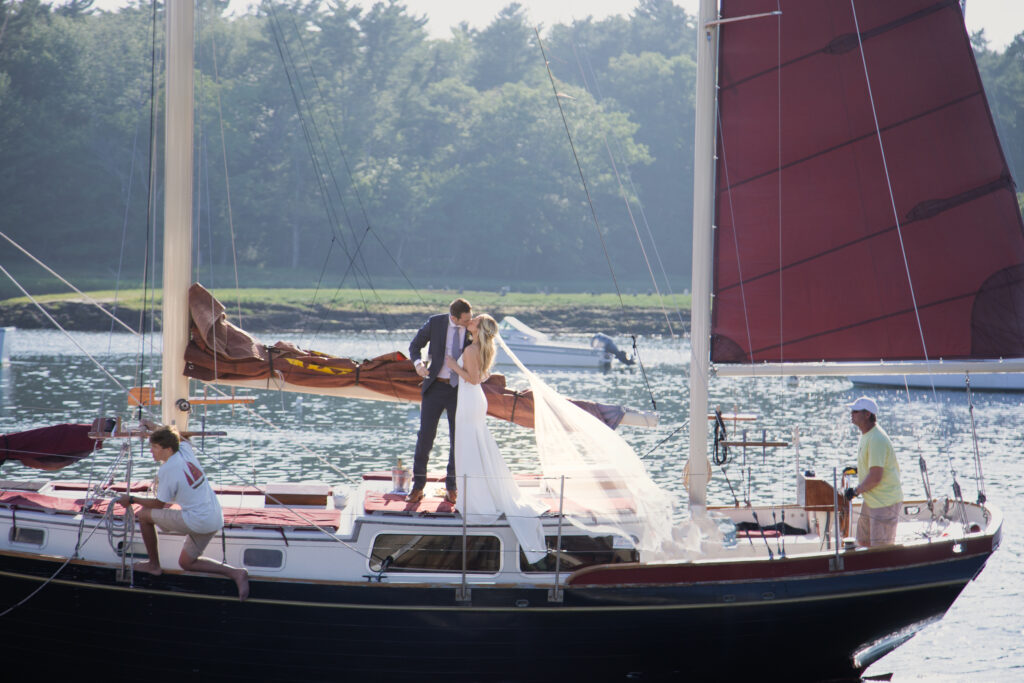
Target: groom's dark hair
x,y
458,307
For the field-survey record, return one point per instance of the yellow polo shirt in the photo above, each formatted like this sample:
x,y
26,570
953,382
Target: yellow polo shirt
x,y
875,450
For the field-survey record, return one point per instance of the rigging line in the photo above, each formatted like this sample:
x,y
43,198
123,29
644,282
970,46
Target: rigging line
x,y
735,233
66,333
640,205
625,198
227,178
629,210
282,49
888,182
899,231
253,414
341,283
352,183
97,304
320,138
593,213
275,28
150,226
307,121
778,133
583,180
643,251
79,542
344,157
319,141
979,475
124,227
40,587
286,59
639,239
295,511
334,132
663,441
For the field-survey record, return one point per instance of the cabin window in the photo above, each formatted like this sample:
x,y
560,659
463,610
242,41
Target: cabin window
x,y
578,552
25,534
435,553
135,550
264,558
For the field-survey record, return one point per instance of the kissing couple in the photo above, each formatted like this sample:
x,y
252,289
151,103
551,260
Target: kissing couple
x,y
461,352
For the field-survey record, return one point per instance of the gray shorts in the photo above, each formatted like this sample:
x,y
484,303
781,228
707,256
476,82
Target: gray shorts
x,y
171,521
877,526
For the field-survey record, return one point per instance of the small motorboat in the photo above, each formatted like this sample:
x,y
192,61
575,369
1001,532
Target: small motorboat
x,y
537,349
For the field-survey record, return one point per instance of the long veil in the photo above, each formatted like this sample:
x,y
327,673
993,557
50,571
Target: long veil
x,y
598,479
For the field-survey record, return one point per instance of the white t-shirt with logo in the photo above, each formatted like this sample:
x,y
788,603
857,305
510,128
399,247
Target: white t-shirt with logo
x,y
181,480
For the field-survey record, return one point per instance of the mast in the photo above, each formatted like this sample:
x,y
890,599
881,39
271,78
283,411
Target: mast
x,y
177,207
703,216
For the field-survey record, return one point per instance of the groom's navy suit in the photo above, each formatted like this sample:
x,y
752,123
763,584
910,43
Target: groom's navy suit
x,y
438,396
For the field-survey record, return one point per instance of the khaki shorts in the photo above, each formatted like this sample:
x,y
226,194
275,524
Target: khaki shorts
x,y
877,526
171,521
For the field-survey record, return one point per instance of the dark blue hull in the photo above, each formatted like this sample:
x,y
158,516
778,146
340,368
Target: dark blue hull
x,y
806,622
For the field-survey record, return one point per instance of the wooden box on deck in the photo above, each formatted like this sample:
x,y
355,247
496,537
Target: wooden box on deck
x,y
297,494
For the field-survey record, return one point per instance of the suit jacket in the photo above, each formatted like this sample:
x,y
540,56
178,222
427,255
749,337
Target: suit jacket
x,y
434,332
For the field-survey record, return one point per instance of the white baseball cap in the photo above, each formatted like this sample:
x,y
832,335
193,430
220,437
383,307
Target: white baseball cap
x,y
865,403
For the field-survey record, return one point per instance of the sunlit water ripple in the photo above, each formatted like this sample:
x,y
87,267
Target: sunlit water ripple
x,y
293,437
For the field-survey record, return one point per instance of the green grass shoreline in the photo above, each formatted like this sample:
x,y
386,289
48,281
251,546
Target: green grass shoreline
x,y
286,309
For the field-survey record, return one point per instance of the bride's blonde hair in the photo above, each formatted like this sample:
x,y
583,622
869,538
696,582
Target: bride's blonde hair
x,y
487,330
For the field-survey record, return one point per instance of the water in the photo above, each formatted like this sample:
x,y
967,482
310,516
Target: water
x,y
292,437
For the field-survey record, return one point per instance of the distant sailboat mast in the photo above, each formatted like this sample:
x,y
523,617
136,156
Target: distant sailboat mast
x,y
177,207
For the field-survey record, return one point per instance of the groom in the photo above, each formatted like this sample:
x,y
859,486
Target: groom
x,y
446,335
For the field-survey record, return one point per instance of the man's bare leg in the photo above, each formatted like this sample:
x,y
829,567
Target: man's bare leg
x,y
151,566
207,566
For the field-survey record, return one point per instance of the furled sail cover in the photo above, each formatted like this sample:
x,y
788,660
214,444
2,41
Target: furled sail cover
x,y
808,261
55,447
221,352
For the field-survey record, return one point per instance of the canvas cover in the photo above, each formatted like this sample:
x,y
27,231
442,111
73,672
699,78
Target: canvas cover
x,y
218,351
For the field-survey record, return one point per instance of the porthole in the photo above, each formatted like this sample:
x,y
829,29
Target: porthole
x,y
27,535
137,551
263,558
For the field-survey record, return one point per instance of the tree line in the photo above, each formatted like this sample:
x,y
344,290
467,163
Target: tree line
x,y
359,150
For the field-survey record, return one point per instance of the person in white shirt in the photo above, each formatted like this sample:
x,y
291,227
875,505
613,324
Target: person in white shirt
x,y
181,480
446,334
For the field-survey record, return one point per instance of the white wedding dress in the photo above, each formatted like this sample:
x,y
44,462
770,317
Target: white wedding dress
x,y
486,487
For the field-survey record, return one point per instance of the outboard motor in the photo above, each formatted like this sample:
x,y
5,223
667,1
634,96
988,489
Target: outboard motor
x,y
603,341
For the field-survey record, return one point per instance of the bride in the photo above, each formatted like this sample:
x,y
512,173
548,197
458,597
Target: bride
x,y
489,490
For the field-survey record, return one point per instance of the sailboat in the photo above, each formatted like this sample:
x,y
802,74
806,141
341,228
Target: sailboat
x,y
358,583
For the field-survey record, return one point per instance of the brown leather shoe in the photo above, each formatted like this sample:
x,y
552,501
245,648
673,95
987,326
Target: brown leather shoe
x,y
450,496
415,496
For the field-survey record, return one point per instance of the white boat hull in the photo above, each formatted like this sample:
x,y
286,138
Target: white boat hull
x,y
998,381
552,355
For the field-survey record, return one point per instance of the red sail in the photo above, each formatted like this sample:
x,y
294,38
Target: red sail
x,y
808,261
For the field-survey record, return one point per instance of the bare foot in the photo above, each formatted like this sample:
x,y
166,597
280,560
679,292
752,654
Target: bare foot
x,y
241,577
148,567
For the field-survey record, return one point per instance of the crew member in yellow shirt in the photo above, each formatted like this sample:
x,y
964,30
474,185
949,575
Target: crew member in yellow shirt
x,y
879,474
